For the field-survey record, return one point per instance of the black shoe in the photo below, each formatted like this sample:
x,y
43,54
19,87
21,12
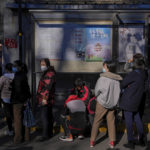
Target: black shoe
x,y
141,142
42,139
130,145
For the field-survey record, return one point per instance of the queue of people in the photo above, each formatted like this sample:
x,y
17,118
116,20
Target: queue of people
x,y
110,90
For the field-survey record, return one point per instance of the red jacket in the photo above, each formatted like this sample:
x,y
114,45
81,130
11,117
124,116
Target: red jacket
x,y
83,94
46,88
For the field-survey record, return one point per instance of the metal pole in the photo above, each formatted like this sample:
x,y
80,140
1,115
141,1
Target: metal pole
x,y
20,29
115,41
147,40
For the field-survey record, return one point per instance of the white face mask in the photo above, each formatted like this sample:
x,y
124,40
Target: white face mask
x,y
103,70
43,68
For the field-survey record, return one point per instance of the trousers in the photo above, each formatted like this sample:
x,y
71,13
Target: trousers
x,y
99,115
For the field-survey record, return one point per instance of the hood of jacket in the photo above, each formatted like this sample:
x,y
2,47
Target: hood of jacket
x,y
9,75
111,76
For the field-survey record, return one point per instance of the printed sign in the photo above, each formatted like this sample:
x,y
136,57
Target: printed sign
x,y
10,43
98,46
131,41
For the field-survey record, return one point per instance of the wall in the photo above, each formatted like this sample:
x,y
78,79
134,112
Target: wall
x,y
10,31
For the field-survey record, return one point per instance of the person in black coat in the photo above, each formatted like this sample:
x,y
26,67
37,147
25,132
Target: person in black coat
x,y
133,87
20,95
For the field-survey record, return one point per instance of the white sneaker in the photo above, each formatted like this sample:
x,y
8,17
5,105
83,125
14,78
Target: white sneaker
x,y
66,138
81,137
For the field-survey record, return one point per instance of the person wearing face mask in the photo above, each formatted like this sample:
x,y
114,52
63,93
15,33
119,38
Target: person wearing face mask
x,y
45,98
107,92
6,88
19,96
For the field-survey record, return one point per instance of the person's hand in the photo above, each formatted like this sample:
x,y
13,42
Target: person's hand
x,y
44,102
68,117
130,60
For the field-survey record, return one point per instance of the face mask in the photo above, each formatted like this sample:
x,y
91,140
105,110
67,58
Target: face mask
x,y
14,69
43,68
103,70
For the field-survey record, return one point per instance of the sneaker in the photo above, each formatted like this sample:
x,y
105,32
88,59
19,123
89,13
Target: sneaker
x,y
81,137
112,144
140,142
66,138
130,145
92,143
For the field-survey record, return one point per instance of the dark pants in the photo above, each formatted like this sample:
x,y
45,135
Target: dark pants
x,y
21,132
47,121
9,115
74,125
65,125
129,118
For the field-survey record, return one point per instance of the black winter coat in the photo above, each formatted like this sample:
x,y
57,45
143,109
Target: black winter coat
x,y
133,85
20,89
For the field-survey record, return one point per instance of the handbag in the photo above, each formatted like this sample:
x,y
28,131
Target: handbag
x,y
28,119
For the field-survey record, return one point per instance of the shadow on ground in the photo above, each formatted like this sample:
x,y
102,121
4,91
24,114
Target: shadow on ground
x,y
20,148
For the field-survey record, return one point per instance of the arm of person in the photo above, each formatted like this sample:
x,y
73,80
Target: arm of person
x,y
98,87
129,79
1,82
85,96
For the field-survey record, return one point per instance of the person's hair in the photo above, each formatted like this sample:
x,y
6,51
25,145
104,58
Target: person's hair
x,y
78,83
47,62
110,65
8,67
18,63
138,61
24,68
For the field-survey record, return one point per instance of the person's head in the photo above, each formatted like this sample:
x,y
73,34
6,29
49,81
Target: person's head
x,y
8,67
24,68
45,64
108,66
138,61
78,84
17,66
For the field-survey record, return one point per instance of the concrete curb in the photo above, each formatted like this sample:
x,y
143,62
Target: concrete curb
x,y
120,128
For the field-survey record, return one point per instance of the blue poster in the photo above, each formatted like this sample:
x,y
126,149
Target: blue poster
x,y
98,44
131,41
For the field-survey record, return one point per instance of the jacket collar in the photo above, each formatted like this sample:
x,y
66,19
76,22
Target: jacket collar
x,y
111,76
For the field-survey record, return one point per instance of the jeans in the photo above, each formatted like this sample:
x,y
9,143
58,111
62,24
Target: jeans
x,y
129,117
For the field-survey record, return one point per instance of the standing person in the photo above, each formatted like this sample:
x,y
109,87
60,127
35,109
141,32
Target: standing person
x,y
6,88
20,95
45,98
107,91
133,86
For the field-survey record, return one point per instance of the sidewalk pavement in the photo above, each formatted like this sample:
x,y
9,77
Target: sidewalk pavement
x,y
55,144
